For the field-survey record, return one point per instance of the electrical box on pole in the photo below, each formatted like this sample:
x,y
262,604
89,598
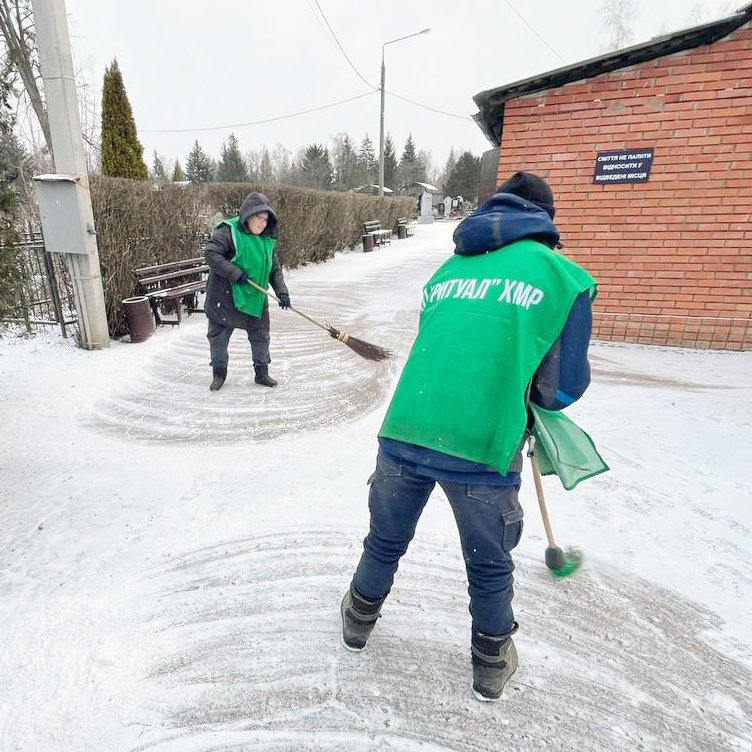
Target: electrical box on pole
x,y
63,225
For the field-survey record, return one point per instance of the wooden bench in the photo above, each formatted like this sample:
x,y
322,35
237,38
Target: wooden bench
x,y
374,235
404,228
171,286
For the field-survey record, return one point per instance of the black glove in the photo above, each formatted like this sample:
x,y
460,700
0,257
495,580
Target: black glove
x,y
243,279
284,300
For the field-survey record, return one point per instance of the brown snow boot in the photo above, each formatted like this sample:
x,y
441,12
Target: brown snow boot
x,y
494,661
359,617
263,377
220,374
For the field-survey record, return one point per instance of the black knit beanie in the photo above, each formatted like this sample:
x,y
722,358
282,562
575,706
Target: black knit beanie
x,y
532,188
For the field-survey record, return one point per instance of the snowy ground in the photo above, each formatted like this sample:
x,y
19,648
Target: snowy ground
x,y
172,560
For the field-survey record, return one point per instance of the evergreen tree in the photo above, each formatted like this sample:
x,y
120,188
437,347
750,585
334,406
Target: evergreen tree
x,y
464,178
158,172
198,166
10,275
315,168
177,173
232,167
390,164
368,162
346,171
122,154
411,168
448,168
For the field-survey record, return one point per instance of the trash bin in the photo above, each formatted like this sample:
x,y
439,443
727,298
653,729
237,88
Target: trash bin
x,y
401,232
367,243
138,317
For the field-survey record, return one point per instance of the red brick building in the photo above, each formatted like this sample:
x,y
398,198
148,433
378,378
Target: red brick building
x,y
670,242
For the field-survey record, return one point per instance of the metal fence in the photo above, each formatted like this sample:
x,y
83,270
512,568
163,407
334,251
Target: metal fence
x,y
45,296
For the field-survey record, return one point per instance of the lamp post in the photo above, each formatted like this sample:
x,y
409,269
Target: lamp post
x,y
381,123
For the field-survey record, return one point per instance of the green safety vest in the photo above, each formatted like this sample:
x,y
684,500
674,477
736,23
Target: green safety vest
x,y
253,254
486,324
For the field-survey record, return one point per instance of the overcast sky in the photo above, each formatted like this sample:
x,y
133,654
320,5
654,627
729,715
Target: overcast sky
x,y
218,66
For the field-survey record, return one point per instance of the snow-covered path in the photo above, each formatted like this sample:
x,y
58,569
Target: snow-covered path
x,y
171,561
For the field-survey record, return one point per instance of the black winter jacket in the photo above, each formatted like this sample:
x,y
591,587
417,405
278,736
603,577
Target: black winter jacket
x,y
218,252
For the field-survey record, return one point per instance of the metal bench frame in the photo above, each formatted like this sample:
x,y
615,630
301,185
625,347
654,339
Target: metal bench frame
x,y
380,235
409,226
171,286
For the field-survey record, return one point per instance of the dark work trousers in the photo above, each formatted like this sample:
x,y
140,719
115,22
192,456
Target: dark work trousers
x,y
489,519
258,335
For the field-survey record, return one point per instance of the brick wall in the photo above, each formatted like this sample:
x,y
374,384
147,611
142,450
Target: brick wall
x,y
673,256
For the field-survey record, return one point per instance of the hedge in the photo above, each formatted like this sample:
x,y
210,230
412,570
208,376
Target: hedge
x,y
139,225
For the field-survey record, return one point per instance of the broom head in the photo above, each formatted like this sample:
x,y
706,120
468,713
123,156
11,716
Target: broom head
x,y
361,347
563,563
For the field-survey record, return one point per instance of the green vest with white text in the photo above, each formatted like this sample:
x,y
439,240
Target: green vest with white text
x,y
486,324
253,254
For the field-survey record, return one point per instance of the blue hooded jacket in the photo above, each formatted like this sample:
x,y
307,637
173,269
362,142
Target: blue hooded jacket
x,y
502,220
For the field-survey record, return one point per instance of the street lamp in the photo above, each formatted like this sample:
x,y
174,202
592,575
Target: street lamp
x,y
381,125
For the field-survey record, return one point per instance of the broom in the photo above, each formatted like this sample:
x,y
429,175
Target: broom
x,y
361,347
561,563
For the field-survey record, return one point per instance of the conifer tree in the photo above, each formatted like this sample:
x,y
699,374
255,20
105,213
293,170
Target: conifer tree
x,y
198,167
448,168
10,275
464,178
158,172
368,162
411,166
122,154
390,164
346,174
232,167
315,168
177,173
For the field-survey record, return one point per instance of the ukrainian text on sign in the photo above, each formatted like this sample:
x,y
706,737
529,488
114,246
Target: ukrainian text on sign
x,y
624,166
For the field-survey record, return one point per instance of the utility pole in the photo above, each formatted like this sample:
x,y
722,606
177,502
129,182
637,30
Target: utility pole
x,y
381,127
381,118
53,42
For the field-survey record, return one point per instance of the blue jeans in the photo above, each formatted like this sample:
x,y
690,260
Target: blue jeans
x,y
489,519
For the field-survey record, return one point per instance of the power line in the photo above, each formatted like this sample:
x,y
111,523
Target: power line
x,y
432,109
522,18
341,48
256,122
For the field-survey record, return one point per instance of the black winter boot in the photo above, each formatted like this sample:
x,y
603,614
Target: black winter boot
x,y
494,661
220,374
263,377
359,617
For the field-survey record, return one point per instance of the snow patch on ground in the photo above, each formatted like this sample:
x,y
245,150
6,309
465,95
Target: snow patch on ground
x,y
172,560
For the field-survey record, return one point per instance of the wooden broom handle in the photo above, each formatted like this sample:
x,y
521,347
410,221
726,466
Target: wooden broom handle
x,y
539,492
294,310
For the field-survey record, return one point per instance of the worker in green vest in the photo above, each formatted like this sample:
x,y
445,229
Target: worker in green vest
x,y
240,249
506,319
